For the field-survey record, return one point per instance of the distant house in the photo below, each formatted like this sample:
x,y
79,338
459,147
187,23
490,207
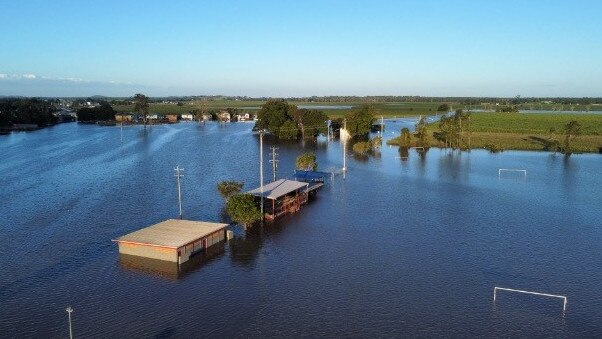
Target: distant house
x,y
187,117
171,118
123,117
224,116
152,117
243,117
206,117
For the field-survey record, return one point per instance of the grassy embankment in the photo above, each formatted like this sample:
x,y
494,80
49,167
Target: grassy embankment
x,y
527,131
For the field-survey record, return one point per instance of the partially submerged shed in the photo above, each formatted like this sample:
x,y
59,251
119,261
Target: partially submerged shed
x,y
282,196
172,240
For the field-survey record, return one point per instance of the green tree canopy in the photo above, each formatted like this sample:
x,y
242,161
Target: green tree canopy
x,y
141,106
311,122
229,188
104,112
288,131
26,111
406,137
362,147
422,132
443,108
359,121
243,209
287,122
273,114
306,161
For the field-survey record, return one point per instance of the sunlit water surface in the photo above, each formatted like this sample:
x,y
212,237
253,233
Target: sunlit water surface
x,y
400,247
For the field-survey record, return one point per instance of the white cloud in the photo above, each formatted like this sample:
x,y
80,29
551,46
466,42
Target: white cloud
x,y
3,76
29,76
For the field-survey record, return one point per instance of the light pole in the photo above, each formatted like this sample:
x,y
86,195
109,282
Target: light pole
x,y
178,175
69,310
344,148
261,169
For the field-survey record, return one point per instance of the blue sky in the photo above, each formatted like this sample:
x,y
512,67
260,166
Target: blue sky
x,y
301,48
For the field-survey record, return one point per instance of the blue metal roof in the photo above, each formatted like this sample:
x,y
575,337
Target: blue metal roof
x,y
310,176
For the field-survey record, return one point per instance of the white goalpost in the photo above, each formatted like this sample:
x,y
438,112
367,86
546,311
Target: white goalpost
x,y
495,289
500,170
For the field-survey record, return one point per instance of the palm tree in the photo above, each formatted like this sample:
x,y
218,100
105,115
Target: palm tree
x,y
141,106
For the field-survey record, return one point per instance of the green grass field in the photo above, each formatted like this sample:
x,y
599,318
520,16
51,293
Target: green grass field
x,y
514,131
537,123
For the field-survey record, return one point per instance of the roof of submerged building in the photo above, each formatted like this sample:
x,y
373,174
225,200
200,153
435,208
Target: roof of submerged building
x,y
171,233
278,188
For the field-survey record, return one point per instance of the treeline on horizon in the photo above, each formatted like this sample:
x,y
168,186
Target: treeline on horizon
x,y
26,111
342,99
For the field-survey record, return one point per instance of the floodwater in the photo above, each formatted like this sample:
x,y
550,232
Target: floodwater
x,y
400,247
543,111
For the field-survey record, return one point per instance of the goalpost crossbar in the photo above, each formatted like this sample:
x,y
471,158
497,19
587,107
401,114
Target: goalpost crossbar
x,y
499,171
495,289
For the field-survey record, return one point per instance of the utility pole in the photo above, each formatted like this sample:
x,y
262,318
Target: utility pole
x,y
261,169
69,310
274,162
178,175
344,148
382,129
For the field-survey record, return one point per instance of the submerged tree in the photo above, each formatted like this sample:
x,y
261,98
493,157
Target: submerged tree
x,y
311,123
571,131
243,209
361,147
141,106
229,188
405,138
288,131
306,161
453,129
359,121
422,133
273,114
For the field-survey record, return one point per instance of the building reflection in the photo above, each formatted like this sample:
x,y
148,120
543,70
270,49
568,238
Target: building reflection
x,y
171,270
245,249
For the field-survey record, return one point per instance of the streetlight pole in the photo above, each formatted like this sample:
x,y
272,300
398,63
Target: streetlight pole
x,y
261,169
344,148
382,129
69,310
178,175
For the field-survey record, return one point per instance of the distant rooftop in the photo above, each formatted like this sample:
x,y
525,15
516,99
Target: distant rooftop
x,y
278,188
172,233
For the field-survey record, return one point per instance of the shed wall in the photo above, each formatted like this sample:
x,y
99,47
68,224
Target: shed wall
x,y
160,253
